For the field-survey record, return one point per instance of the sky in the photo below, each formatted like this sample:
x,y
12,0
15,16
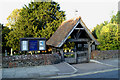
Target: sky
x,y
92,12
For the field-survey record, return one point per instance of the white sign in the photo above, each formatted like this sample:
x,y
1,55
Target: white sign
x,y
41,45
24,45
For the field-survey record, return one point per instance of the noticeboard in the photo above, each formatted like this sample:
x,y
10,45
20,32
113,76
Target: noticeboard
x,y
24,46
41,45
32,44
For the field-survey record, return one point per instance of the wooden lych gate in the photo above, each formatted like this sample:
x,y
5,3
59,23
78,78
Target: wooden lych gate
x,y
79,34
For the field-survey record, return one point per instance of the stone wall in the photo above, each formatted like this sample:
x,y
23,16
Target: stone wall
x,y
30,60
104,54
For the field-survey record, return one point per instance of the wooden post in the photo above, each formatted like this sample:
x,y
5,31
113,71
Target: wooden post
x,y
89,52
53,50
76,57
76,52
95,47
62,54
76,44
82,46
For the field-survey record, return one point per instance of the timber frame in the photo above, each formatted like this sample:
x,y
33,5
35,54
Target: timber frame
x,y
80,35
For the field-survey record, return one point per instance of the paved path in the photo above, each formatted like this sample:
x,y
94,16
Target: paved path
x,y
96,65
29,72
64,68
37,71
114,62
95,68
91,67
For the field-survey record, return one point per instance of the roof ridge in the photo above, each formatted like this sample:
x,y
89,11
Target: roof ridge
x,y
72,19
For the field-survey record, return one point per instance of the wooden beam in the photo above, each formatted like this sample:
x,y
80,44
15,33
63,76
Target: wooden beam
x,y
79,28
74,36
78,40
82,52
78,34
89,33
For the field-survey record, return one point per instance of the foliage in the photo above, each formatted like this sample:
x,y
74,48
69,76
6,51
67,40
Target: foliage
x,y
115,18
68,46
13,17
69,55
38,19
5,31
96,31
108,34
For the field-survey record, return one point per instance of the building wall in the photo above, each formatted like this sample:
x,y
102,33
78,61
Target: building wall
x,y
30,60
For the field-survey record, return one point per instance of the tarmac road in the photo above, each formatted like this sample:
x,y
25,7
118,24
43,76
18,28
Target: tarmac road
x,y
105,74
96,69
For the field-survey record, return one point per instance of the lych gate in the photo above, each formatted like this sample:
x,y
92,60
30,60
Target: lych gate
x,y
75,31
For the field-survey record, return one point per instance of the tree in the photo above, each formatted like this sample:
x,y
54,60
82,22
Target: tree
x,y
5,31
107,37
117,38
97,29
38,19
115,18
13,17
108,34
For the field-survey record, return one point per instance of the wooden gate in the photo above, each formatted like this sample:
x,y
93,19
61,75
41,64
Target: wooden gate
x,y
82,56
70,57
76,57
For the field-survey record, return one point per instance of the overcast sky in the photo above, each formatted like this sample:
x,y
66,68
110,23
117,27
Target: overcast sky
x,y
93,12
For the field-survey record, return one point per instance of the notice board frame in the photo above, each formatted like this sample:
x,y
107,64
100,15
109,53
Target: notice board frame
x,y
35,39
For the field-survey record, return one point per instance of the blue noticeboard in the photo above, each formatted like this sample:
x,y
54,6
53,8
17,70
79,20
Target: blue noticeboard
x,y
33,45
